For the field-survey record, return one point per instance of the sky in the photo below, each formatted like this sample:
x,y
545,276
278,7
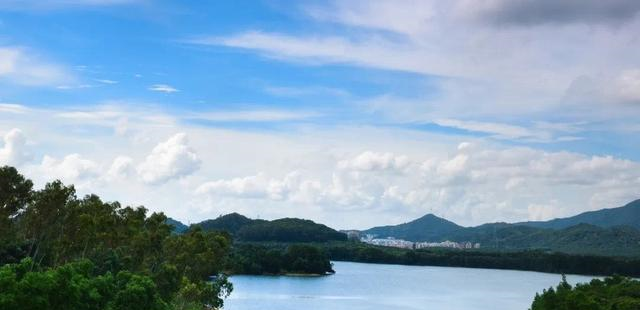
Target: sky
x,y
350,113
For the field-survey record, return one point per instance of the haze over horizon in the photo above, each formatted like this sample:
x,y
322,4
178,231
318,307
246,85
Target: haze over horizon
x,y
475,111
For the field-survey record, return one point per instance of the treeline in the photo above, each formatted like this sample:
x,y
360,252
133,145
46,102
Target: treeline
x,y
280,230
64,252
278,259
532,260
613,293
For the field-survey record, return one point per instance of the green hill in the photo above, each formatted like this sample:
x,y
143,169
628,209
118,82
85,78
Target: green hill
x,y
426,228
281,230
231,223
289,230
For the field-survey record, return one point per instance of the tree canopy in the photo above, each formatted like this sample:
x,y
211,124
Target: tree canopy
x,y
57,248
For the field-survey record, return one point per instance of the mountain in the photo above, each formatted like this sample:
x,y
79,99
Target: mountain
x,y
231,223
289,230
577,239
606,232
426,228
628,215
281,230
178,227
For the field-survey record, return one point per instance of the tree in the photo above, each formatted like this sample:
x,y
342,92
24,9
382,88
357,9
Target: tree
x,y
15,193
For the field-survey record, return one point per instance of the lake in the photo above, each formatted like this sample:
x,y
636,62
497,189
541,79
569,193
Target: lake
x,y
376,286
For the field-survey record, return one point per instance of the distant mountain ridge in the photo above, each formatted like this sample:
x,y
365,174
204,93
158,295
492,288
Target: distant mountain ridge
x,y
605,231
627,215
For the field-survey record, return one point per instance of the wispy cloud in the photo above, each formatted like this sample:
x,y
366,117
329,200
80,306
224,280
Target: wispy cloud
x,y
254,116
106,81
164,88
22,66
13,108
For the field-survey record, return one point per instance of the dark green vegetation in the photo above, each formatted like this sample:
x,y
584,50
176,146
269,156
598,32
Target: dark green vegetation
x,y
604,232
230,223
275,259
281,230
63,252
579,249
613,293
426,228
533,260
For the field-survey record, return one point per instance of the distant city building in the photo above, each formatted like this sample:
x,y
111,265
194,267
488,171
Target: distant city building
x,y
399,243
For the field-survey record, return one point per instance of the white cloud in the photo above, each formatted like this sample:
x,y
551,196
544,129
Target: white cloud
x,y
254,116
106,81
168,160
13,108
164,88
320,173
14,150
372,161
122,167
258,186
497,129
474,184
19,66
72,168
477,68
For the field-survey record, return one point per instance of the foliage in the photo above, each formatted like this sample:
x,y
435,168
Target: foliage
x,y
279,259
119,256
612,293
73,286
519,260
230,223
289,230
281,230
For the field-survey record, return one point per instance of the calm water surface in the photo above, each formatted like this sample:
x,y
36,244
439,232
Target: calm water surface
x,y
371,286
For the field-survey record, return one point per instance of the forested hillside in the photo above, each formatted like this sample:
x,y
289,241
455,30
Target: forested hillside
x,y
280,230
598,232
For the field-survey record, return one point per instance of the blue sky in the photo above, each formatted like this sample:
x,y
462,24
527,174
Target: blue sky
x,y
375,108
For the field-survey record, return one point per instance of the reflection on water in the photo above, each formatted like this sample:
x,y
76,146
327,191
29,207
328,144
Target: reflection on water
x,y
370,286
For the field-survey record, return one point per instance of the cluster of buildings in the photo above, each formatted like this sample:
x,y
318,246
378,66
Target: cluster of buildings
x,y
399,243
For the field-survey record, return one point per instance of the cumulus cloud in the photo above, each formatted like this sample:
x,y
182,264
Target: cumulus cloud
x,y
122,167
169,160
372,161
14,150
258,186
20,66
474,184
72,168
